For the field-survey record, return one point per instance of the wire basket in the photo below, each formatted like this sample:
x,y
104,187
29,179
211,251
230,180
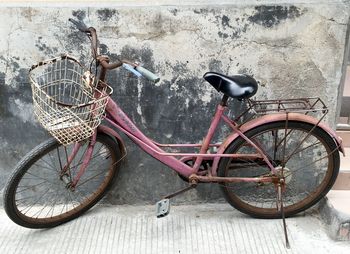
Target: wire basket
x,y
65,100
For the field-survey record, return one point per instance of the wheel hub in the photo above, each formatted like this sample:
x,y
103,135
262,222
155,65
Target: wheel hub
x,y
284,173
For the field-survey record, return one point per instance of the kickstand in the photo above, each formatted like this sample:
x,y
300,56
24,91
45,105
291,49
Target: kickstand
x,y
280,207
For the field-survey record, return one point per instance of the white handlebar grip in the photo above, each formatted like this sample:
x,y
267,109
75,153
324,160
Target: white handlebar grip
x,y
131,69
149,75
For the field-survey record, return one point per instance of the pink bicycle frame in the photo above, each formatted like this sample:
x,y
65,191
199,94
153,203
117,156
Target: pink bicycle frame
x,y
117,118
120,120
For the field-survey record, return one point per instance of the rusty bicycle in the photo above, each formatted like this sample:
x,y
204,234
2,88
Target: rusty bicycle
x,y
282,160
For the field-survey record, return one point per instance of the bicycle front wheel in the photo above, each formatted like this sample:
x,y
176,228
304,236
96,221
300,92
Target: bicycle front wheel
x,y
307,157
36,196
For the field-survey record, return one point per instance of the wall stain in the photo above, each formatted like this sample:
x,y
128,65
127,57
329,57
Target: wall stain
x,y
229,28
225,21
270,16
4,96
204,11
8,94
104,49
215,65
245,70
76,42
79,14
223,35
106,14
49,51
173,11
179,69
14,64
23,85
29,12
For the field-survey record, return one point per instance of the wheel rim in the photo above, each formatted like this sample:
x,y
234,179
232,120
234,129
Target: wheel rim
x,y
307,171
41,196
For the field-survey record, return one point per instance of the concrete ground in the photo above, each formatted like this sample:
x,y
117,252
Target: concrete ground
x,y
335,208
207,228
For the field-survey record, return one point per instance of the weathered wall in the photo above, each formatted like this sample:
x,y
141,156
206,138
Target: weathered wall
x,y
294,49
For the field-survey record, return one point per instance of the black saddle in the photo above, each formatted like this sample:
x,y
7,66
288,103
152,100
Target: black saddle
x,y
239,86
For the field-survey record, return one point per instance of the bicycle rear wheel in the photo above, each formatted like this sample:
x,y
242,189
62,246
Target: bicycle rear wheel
x,y
37,197
311,167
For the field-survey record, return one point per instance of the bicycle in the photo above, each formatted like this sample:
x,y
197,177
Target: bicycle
x,y
279,162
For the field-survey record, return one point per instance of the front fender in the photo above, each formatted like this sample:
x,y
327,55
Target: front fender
x,y
270,119
111,132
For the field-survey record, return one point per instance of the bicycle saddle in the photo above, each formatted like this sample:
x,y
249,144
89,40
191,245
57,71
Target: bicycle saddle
x,y
239,86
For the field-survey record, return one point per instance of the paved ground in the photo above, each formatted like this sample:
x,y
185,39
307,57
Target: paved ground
x,y
214,228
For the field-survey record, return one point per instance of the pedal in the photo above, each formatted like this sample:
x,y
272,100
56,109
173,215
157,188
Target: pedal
x,y
163,207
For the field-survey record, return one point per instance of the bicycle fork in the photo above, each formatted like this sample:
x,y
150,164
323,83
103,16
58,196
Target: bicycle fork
x,y
65,174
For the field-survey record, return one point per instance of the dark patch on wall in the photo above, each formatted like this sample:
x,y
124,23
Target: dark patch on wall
x,y
2,78
76,42
229,28
167,119
159,24
106,14
179,116
225,21
79,14
270,16
144,55
4,96
20,90
245,70
12,63
103,49
179,69
49,51
4,102
168,114
15,65
215,65
223,35
204,11
125,84
173,11
23,85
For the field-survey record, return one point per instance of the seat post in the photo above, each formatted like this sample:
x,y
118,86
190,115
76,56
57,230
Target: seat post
x,y
224,100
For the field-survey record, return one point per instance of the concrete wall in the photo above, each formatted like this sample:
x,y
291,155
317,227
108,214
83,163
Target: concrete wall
x,y
295,49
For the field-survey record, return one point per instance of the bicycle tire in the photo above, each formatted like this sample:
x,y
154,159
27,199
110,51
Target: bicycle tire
x,y
33,174
304,187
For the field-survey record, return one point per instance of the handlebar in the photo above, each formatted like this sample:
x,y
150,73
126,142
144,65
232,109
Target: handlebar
x,y
80,25
91,32
104,61
146,73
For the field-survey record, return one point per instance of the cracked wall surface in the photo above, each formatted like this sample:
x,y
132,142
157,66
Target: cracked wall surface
x,y
294,50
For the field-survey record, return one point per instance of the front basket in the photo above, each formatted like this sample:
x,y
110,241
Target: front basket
x,y
66,101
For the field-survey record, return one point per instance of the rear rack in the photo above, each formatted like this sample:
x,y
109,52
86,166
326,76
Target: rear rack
x,y
312,105
301,105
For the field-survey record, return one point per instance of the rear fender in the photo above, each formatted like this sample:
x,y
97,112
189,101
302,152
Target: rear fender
x,y
270,119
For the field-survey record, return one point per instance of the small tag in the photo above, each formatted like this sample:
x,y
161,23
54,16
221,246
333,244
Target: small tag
x,y
88,79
